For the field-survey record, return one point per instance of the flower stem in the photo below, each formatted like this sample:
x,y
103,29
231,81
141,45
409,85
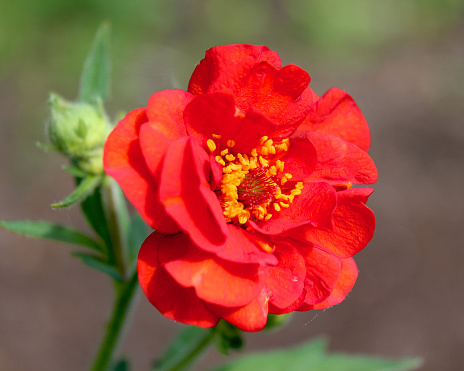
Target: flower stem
x,y
195,352
112,336
117,220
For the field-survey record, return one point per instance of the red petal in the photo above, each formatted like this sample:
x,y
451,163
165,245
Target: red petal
x,y
313,206
341,162
185,192
354,225
216,114
165,110
172,300
336,113
124,161
285,281
243,247
343,286
251,317
228,60
291,308
322,273
277,93
215,280
301,158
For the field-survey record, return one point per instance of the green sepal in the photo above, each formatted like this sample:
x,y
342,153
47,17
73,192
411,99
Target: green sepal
x,y
83,190
95,77
228,337
183,348
313,356
99,264
51,231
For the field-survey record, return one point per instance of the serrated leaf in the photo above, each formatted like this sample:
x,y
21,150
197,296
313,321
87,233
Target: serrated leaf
x,y
83,190
50,231
186,341
313,356
95,77
99,264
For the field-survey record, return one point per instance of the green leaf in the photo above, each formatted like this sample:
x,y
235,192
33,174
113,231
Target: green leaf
x,y
50,231
99,264
313,356
75,171
95,77
83,190
92,207
184,347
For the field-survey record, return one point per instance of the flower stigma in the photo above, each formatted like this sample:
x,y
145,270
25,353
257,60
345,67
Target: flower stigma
x,y
254,186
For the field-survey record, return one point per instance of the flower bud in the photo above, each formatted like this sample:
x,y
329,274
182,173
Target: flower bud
x,y
79,131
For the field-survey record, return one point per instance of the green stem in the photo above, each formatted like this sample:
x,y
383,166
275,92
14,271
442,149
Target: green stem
x,y
117,220
190,357
115,326
116,214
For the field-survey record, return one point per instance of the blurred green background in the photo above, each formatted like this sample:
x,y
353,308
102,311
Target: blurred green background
x,y
403,62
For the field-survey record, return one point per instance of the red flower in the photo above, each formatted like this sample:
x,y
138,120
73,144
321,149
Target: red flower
x,y
246,179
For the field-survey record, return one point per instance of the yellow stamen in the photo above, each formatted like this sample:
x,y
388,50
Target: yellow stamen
x,y
249,188
211,145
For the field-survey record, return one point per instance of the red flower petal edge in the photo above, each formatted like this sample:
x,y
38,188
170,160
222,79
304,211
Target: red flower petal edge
x,y
247,180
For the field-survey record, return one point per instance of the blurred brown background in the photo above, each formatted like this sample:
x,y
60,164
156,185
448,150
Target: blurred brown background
x,y
403,62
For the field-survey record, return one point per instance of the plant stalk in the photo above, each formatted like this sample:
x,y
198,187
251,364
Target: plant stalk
x,y
112,337
190,357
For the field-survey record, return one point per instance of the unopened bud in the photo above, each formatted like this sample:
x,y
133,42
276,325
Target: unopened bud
x,y
79,131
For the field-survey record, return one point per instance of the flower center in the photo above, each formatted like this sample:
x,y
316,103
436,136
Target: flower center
x,y
253,186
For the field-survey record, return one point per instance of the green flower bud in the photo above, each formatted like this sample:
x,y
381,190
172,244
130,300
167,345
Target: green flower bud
x,y
79,131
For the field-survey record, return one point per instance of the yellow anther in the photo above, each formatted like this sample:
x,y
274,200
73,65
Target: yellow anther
x,y
272,150
276,206
283,180
295,192
289,176
230,157
263,139
265,246
220,160
211,145
230,143
283,204
264,151
280,165
224,152
267,217
216,136
299,185
268,143
281,197
254,152
273,170
263,161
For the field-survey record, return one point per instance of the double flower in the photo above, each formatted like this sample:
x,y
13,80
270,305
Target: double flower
x,y
246,179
